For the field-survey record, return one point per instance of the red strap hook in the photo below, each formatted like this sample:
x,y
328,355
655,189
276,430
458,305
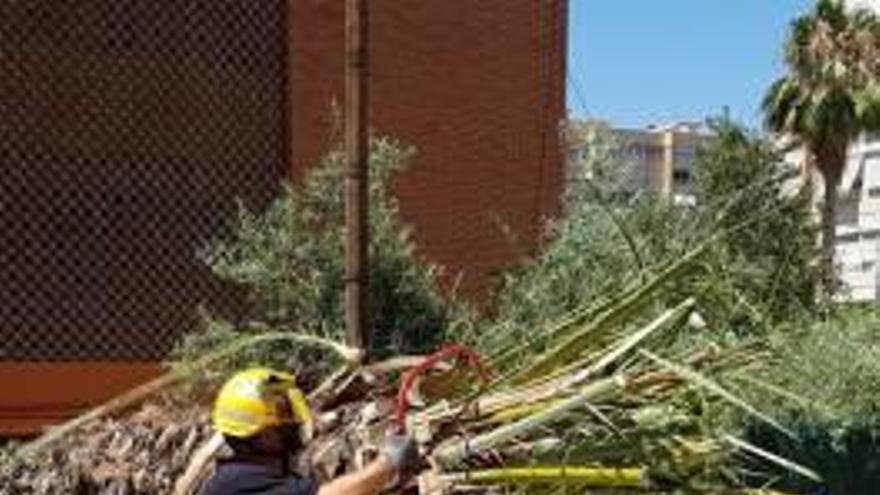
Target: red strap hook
x,y
463,353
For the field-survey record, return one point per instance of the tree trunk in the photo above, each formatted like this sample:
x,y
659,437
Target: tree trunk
x,y
828,223
830,162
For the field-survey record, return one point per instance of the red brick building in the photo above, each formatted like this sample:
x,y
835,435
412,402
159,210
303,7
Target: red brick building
x,y
128,127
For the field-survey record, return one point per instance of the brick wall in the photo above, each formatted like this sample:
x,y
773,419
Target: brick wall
x,y
477,86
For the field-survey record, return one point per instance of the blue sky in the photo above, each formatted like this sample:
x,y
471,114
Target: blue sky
x,y
636,62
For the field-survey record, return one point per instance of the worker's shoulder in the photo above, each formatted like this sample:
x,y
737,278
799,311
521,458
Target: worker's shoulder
x,y
235,478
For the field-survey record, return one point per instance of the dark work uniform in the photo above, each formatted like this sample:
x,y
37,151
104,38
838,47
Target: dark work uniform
x,y
243,478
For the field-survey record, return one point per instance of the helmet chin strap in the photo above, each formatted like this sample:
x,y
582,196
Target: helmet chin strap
x,y
285,464
291,439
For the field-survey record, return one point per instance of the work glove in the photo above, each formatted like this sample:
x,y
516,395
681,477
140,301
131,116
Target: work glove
x,y
403,453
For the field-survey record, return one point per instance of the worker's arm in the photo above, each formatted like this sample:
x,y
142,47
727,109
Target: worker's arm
x,y
367,481
399,455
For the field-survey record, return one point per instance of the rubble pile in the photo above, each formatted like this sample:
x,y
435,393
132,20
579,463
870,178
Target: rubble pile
x,y
138,454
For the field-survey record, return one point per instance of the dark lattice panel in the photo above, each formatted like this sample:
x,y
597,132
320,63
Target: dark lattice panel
x,y
127,130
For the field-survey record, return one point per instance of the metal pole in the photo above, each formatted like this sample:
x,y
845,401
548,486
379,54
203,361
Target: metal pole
x,y
357,171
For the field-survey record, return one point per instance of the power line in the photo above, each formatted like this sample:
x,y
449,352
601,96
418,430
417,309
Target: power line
x,y
572,77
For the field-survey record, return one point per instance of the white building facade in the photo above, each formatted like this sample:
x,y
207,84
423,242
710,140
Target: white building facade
x,y
857,230
858,222
868,4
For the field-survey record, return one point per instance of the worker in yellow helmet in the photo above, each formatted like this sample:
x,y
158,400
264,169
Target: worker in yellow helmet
x,y
265,419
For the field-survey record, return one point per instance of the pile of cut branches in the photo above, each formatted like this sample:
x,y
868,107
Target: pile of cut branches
x,y
613,396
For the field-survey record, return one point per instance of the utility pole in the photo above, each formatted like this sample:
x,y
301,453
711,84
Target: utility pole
x,y
357,63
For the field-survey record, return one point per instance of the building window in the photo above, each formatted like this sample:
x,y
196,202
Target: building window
x,y
848,237
874,192
681,176
683,155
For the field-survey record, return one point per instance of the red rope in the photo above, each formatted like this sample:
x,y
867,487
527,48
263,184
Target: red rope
x,y
463,353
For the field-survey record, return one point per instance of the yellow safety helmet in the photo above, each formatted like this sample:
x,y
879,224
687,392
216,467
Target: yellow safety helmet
x,y
260,398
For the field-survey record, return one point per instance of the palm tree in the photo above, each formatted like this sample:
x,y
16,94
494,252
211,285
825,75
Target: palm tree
x,y
828,97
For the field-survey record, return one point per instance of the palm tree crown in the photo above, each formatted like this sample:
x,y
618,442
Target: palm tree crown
x,y
829,95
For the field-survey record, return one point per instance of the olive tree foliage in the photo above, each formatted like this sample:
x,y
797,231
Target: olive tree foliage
x,y
760,268
770,257
289,259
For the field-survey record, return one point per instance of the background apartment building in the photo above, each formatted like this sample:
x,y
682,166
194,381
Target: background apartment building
x,y
661,159
858,222
658,158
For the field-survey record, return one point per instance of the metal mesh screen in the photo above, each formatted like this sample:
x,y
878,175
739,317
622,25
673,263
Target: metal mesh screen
x,y
128,128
